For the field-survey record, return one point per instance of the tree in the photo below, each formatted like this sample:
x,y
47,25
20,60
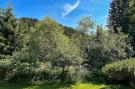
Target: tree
x,y
131,16
8,39
118,19
99,32
49,55
55,52
108,48
85,24
49,24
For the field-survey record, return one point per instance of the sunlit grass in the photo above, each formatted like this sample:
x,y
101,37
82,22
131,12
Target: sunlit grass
x,y
87,86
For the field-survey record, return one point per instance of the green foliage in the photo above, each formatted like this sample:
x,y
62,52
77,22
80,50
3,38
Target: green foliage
x,y
4,68
131,20
85,24
118,18
8,33
32,50
49,24
122,18
56,52
123,70
47,55
107,48
100,48
69,31
103,48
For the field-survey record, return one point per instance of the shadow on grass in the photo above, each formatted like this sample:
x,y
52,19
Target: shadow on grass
x,y
28,86
55,86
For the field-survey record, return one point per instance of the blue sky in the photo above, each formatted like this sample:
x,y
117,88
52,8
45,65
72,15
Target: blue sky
x,y
66,12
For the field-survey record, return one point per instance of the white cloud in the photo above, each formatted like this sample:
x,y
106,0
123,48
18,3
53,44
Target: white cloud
x,y
69,8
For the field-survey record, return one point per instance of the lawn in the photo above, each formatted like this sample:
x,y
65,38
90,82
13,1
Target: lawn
x,y
62,86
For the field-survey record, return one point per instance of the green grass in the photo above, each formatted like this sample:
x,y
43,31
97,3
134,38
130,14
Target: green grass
x,y
62,86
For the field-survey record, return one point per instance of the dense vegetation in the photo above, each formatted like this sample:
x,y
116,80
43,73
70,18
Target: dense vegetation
x,y
121,70
45,51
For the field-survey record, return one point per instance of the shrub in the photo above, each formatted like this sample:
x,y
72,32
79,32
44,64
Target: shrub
x,y
122,71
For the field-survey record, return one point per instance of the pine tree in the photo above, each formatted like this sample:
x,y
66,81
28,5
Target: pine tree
x,y
8,39
118,18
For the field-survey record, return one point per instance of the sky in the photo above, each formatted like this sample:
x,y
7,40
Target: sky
x,y
66,12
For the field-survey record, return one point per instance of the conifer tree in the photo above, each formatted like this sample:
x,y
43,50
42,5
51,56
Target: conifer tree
x,y
8,39
118,18
131,15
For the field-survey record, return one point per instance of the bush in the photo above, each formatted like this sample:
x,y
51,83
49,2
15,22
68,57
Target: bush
x,y
120,71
